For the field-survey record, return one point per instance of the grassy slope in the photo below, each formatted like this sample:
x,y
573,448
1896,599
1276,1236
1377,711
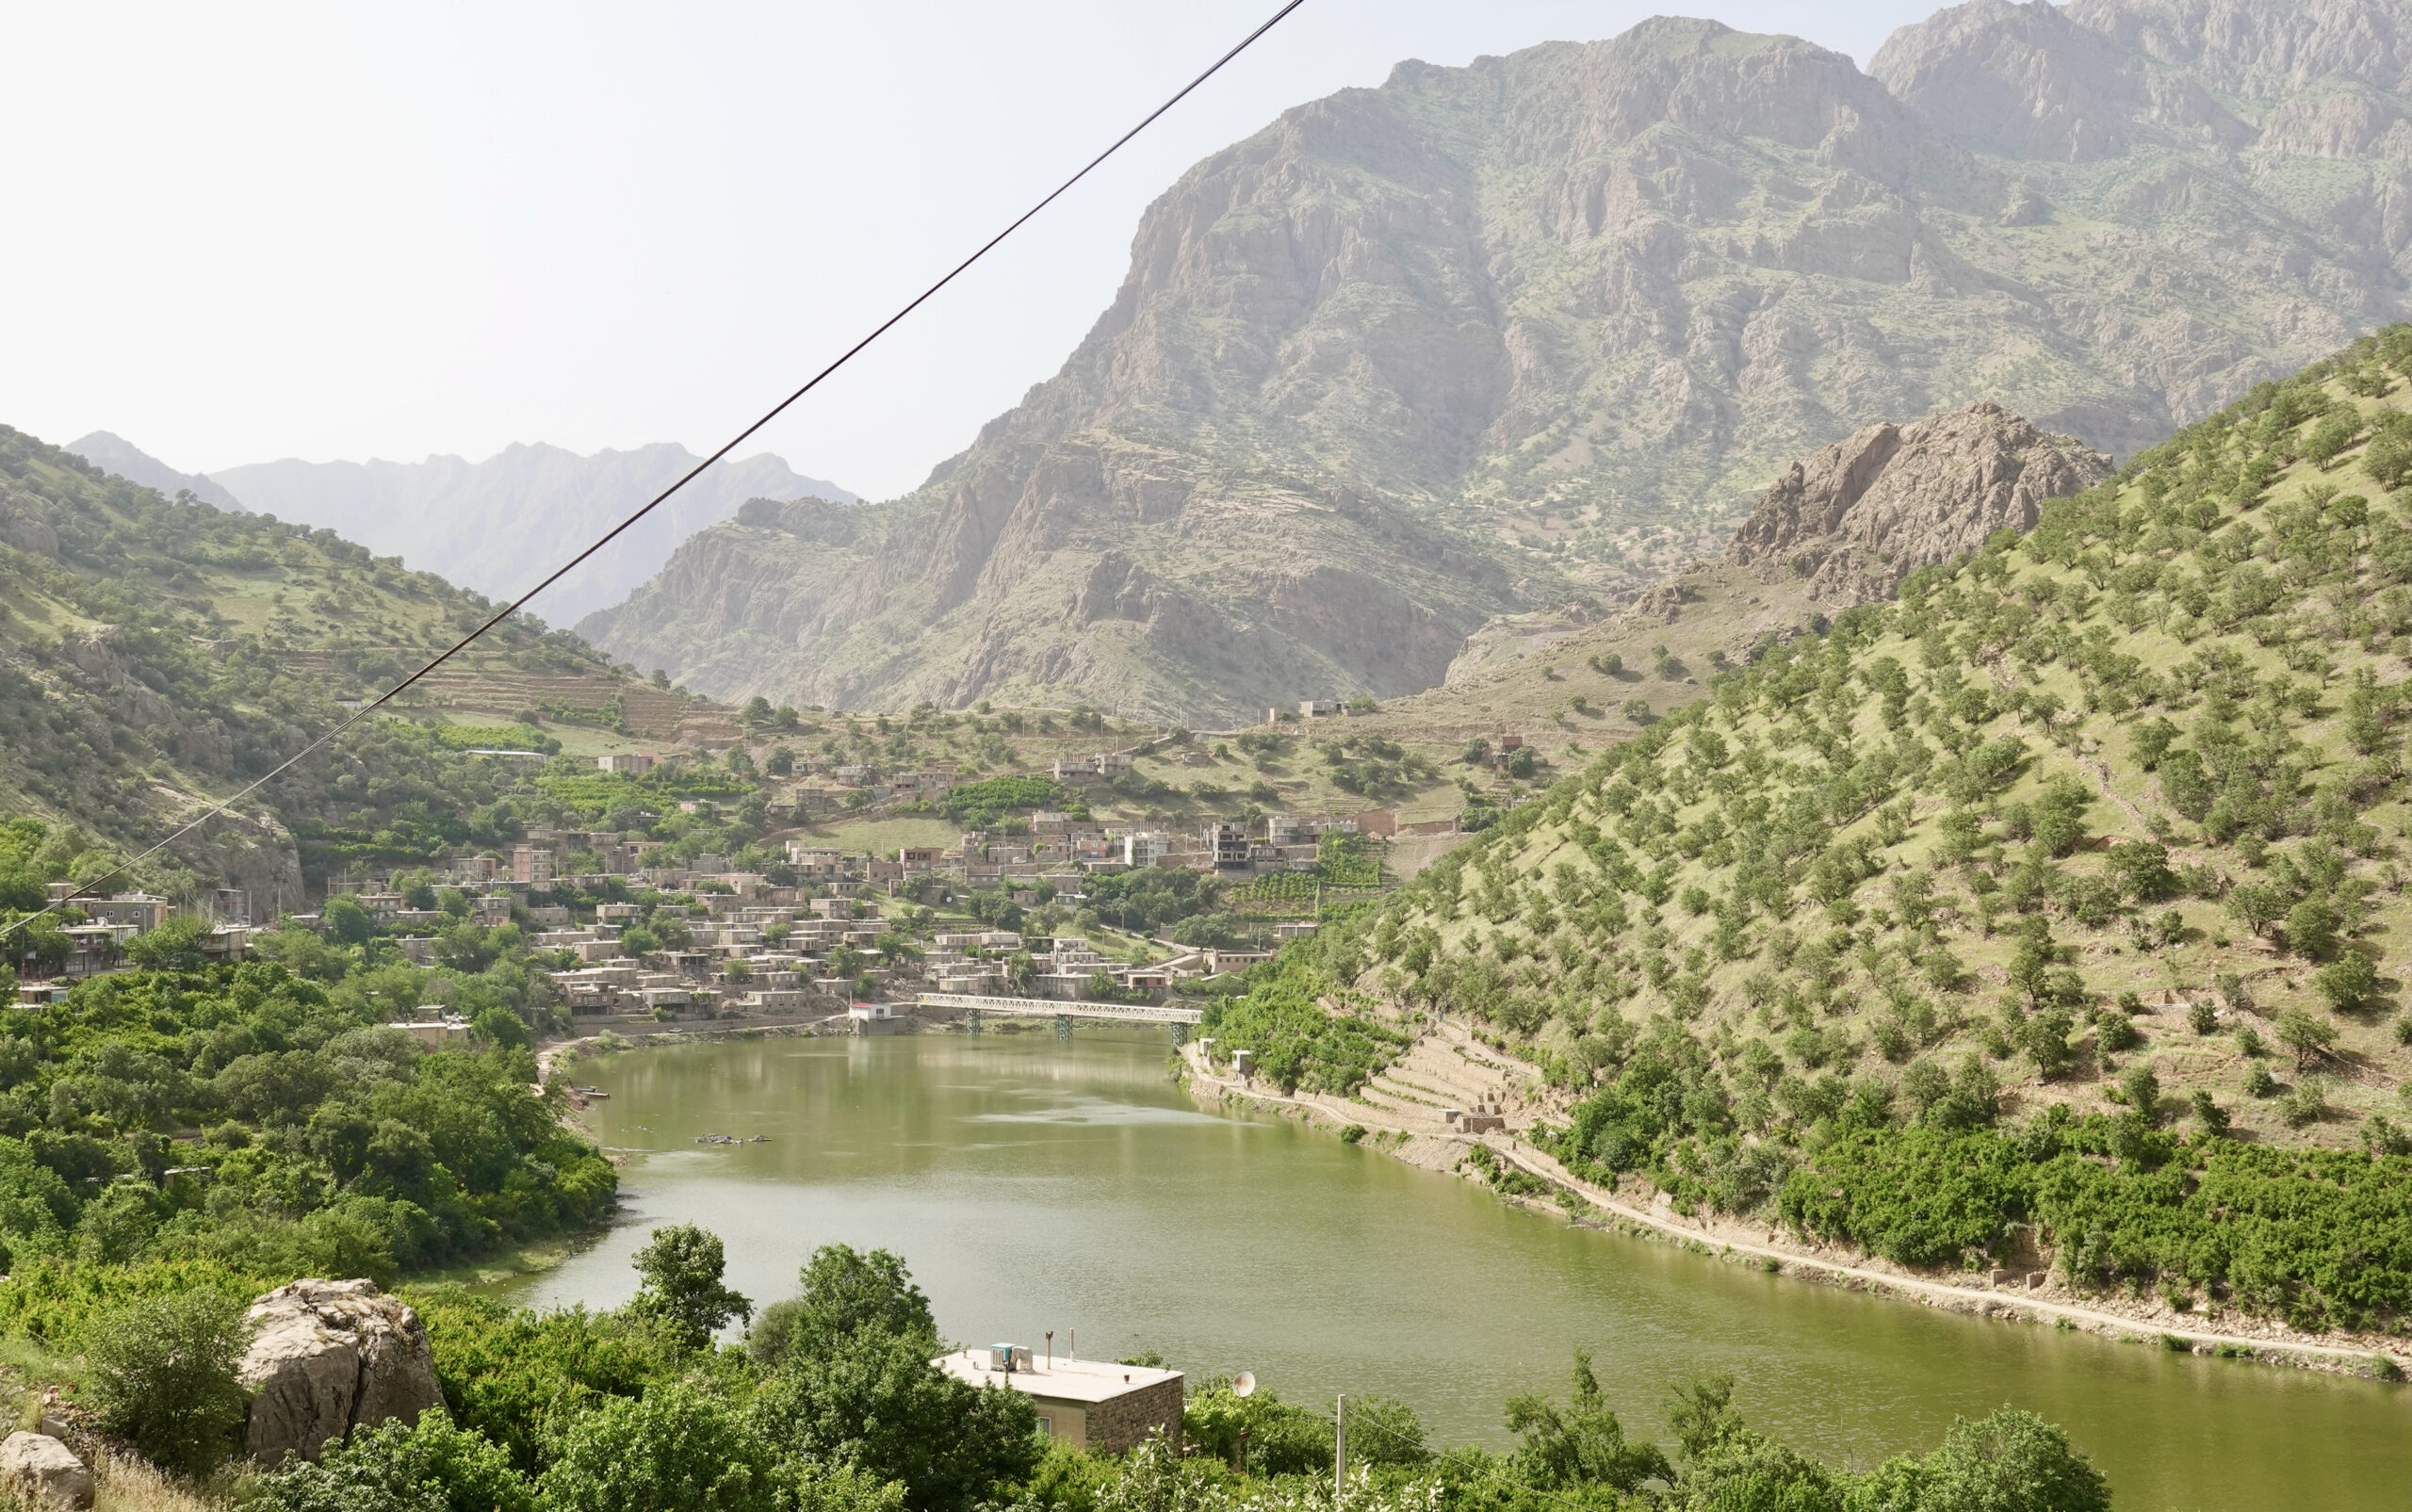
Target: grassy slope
x,y
159,654
2023,646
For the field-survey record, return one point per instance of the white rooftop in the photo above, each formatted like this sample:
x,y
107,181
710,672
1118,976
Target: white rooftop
x,y
1065,1380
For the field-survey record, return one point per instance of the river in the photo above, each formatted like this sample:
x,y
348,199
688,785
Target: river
x,y
1034,1184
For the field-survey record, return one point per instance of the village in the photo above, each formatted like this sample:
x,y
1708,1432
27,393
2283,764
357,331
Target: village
x,y
626,935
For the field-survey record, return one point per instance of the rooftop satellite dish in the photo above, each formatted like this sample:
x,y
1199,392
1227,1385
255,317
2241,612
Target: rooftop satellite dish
x,y
1244,1384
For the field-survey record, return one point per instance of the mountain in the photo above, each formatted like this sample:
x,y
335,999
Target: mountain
x,y
157,655
2078,864
497,526
115,454
1532,332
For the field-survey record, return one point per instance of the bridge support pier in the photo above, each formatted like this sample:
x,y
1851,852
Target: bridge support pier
x,y
1064,1026
1180,1035
971,1020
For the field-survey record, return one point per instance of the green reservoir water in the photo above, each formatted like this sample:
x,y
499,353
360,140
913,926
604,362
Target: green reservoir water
x,y
1033,1184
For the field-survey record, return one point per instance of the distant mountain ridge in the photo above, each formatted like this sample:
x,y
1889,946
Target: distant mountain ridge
x,y
497,526
113,454
1490,339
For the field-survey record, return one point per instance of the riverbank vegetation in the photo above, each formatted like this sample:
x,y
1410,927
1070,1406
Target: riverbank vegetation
x,y
831,1404
2048,914
268,1120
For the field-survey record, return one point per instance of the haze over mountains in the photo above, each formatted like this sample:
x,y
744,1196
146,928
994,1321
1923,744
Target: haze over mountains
x,y
106,449
495,526
1488,338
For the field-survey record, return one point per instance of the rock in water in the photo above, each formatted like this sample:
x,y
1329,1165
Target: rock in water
x,y
329,1356
45,1472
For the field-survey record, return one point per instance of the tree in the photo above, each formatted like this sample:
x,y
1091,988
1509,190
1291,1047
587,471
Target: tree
x,y
2143,871
2046,1039
431,1466
2312,929
847,1293
2143,1091
2305,1035
45,945
2348,981
2007,1461
175,946
1581,1444
682,1269
675,1447
162,1376
347,922
873,1400
498,1025
2257,905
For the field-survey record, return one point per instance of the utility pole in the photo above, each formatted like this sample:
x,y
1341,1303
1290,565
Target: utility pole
x,y
1339,1447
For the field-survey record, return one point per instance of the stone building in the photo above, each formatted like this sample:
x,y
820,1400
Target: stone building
x,y
1090,1404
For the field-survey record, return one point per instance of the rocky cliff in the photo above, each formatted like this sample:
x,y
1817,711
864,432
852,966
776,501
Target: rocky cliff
x,y
1851,521
1839,528
1489,339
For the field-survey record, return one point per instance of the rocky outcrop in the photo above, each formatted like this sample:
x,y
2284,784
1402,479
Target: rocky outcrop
x,y
1424,358
328,1358
1851,521
44,1472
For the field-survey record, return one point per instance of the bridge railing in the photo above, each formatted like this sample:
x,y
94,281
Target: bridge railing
x,y
1136,1013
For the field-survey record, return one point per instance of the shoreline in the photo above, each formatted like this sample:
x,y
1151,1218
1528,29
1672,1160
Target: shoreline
x,y
2277,1345
2271,1343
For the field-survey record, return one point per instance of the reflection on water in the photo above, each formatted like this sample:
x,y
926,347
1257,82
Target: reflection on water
x,y
1034,1184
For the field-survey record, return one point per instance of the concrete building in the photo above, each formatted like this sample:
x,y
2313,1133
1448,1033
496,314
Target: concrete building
x,y
631,762
532,865
1227,844
1090,1404
138,910
436,1032
876,1018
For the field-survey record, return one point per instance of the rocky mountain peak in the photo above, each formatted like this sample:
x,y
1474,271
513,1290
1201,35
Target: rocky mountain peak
x,y
1854,519
1418,359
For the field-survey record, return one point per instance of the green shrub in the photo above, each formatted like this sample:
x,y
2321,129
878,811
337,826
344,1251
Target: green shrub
x,y
676,1447
431,1466
162,1377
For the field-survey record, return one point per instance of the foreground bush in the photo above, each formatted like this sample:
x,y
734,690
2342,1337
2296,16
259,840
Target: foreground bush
x,y
163,1377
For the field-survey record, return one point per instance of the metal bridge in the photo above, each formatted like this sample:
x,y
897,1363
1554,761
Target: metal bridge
x,y
1127,1013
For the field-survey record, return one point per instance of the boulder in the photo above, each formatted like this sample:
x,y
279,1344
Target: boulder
x,y
45,1472
327,1357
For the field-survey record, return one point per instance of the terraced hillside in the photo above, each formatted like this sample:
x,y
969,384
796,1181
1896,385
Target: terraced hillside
x,y
2097,835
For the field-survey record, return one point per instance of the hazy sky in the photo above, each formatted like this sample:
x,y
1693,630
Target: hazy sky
x,y
244,232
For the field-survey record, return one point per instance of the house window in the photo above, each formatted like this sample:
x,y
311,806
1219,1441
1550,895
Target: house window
x,y
1046,1427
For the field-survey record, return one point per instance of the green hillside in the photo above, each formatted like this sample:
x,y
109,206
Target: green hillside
x,y
156,654
2060,903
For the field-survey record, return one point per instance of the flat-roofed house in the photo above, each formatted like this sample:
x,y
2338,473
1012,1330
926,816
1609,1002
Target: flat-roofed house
x,y
1090,1404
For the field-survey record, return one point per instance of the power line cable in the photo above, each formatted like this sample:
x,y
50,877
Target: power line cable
x,y
688,477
